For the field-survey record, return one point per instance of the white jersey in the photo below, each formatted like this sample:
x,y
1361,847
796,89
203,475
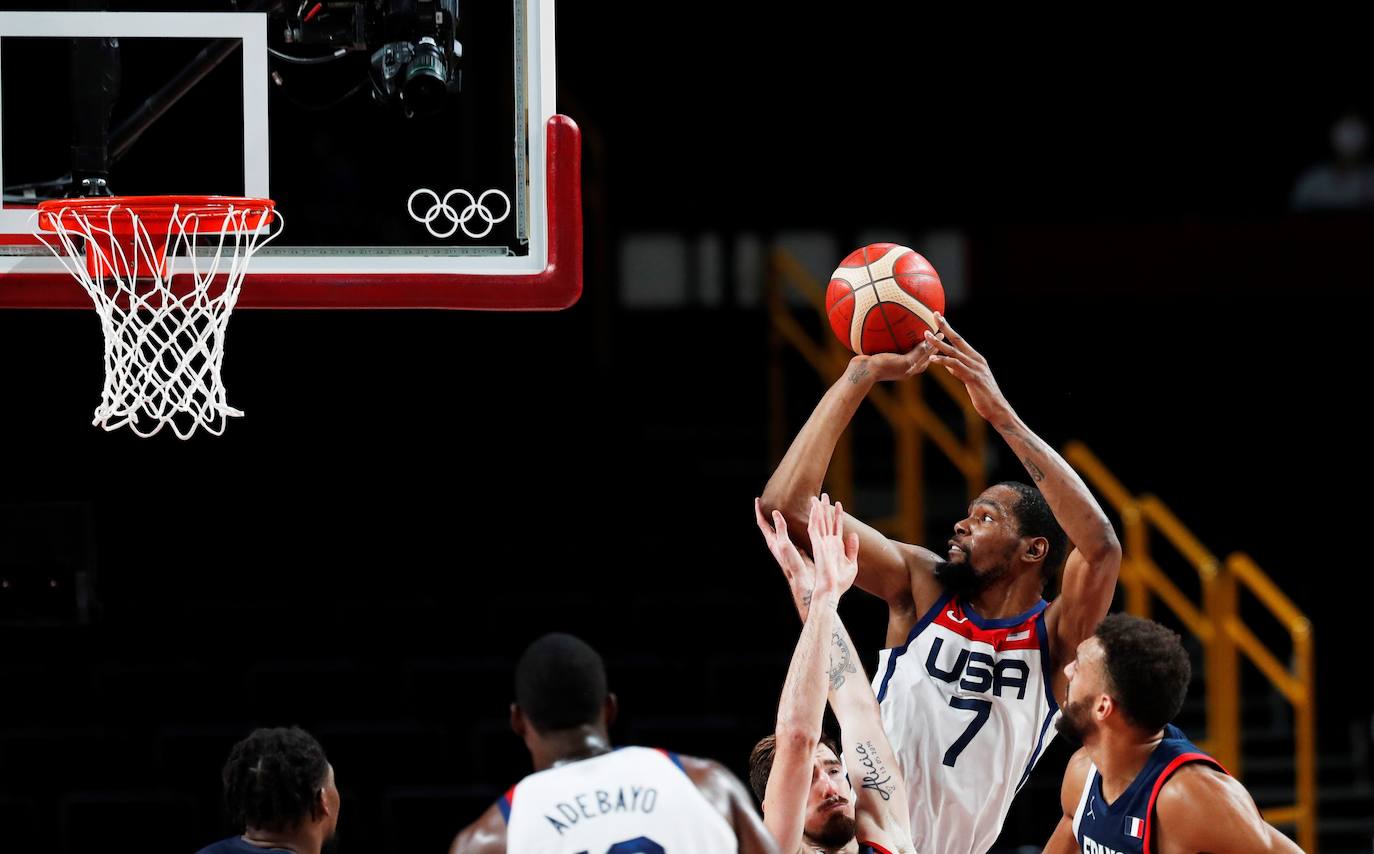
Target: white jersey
x,y
631,801
968,708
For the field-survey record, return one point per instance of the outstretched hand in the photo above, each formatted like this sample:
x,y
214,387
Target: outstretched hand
x,y
797,567
898,366
836,556
969,367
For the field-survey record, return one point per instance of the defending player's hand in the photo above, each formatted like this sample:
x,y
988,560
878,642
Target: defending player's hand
x,y
969,367
797,567
898,366
836,557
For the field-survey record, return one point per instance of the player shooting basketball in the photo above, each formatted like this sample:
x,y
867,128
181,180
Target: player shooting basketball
x,y
798,776
973,676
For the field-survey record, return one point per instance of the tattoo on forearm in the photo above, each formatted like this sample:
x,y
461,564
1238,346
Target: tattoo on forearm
x,y
1010,431
876,777
856,376
841,661
806,598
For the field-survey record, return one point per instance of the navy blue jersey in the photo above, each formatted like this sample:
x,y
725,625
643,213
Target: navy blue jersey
x,y
1123,827
236,845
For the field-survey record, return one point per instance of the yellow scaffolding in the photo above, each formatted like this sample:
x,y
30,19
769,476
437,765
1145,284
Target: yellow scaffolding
x,y
1217,625
1215,621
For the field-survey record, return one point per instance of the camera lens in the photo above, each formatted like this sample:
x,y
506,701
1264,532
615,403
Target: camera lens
x,y
426,79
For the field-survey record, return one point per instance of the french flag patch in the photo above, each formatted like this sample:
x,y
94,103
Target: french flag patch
x,y
1135,827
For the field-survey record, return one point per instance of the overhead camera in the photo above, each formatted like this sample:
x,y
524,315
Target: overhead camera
x,y
414,48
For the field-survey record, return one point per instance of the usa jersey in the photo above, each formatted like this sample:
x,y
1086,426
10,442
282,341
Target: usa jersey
x,y
1123,827
967,705
630,801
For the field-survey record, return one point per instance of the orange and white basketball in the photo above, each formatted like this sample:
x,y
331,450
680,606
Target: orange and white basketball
x,y
882,298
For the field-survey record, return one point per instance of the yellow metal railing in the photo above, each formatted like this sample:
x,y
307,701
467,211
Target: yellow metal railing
x,y
1215,622
902,405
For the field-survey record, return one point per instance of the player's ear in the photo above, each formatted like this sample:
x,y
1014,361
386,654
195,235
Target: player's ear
x,y
609,709
319,807
518,724
1106,707
1037,548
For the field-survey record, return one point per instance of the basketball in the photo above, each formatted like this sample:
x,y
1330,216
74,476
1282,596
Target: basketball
x,y
882,298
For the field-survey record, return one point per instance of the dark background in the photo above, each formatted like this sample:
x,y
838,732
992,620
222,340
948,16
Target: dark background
x,y
412,497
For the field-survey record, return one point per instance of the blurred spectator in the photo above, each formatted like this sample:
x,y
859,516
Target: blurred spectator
x,y
1347,182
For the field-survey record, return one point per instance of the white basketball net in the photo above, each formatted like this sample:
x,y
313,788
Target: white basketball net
x,y
163,347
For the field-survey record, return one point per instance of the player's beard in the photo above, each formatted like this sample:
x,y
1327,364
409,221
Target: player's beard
x,y
1074,722
963,580
837,832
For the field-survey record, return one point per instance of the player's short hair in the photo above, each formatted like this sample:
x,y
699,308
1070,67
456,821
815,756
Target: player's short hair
x,y
1035,519
761,761
272,778
560,683
1147,669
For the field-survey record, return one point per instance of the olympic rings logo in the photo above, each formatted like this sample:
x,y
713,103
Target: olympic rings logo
x,y
475,208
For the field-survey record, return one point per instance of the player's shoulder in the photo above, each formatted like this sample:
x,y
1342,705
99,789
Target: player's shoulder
x,y
486,835
1075,778
721,789
923,590
1080,764
718,783
701,771
1200,806
1200,786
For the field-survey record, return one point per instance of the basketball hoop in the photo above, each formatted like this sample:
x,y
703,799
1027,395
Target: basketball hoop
x,y
164,273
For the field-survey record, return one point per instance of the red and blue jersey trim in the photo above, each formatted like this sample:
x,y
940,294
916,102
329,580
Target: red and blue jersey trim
x,y
1174,764
506,802
1021,631
673,757
898,652
1046,670
1005,633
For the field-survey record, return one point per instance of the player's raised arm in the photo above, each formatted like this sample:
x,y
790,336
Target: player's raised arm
x,y
800,712
881,807
1090,573
796,567
886,568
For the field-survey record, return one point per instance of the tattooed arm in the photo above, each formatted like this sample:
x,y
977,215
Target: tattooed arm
x,y
1090,573
881,807
881,810
800,712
